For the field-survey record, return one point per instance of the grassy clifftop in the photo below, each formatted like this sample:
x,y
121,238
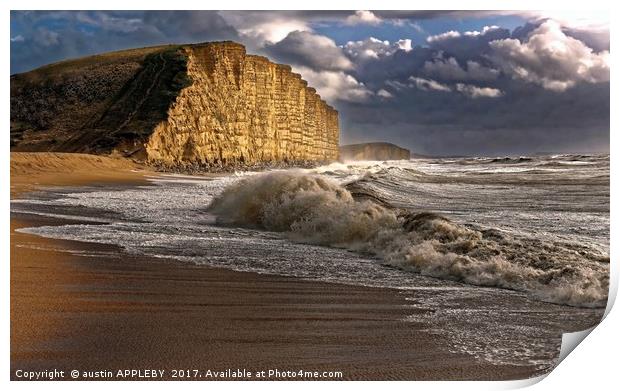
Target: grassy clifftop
x,y
95,103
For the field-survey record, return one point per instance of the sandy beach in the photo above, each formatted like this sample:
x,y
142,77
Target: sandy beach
x,y
33,170
72,310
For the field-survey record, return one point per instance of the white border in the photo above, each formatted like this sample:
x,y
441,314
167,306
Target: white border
x,y
592,364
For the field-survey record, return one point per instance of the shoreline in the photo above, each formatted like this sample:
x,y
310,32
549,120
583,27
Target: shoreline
x,y
91,313
31,171
85,306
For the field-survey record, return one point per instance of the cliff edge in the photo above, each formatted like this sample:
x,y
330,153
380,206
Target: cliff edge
x,y
373,151
204,106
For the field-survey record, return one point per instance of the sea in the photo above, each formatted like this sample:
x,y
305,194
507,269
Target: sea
x,y
503,254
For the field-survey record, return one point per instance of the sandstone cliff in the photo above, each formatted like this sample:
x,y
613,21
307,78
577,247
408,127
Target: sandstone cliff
x,y
198,105
373,151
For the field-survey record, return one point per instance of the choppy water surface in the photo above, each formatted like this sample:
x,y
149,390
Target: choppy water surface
x,y
538,226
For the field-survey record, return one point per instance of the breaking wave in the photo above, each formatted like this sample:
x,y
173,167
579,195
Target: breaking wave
x,y
315,209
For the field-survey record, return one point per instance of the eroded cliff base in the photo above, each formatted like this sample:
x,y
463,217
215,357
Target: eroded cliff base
x,y
197,168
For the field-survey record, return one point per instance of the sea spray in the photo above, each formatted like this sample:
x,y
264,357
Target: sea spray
x,y
311,208
318,210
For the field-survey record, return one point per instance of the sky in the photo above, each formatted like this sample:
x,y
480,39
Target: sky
x,y
437,82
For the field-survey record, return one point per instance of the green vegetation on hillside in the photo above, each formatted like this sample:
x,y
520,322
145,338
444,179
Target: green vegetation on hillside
x,y
94,103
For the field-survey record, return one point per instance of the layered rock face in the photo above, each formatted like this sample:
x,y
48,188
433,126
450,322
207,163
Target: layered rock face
x,y
243,109
373,151
199,105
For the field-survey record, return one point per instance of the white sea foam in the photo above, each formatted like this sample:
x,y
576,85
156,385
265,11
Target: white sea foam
x,y
315,209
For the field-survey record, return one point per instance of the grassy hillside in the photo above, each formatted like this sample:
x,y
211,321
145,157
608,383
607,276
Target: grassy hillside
x,y
93,103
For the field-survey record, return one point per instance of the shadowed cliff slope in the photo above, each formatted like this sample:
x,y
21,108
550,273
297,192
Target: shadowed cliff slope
x,y
373,151
202,106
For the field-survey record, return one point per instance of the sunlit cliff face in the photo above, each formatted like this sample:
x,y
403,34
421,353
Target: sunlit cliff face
x,y
244,109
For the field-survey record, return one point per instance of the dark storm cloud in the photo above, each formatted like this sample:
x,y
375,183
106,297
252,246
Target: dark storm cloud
x,y
442,99
524,118
522,121
190,25
56,35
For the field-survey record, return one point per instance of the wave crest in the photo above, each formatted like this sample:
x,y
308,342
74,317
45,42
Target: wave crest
x,y
311,208
318,210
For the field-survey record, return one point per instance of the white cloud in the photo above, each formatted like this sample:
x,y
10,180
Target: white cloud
x,y
485,30
469,90
582,19
397,85
551,59
478,92
335,85
373,48
264,27
363,17
384,94
450,69
307,49
17,38
455,34
428,84
274,31
443,36
404,44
